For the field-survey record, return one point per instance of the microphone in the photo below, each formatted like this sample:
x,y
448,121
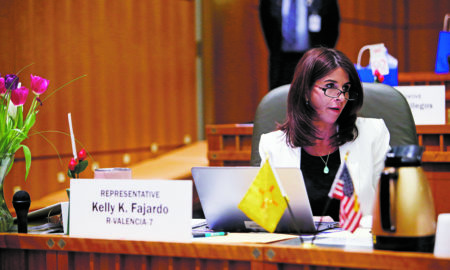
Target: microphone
x,y
21,202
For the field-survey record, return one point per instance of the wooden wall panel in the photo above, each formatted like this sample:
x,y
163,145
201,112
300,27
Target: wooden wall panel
x,y
139,58
235,60
235,54
423,23
409,29
365,22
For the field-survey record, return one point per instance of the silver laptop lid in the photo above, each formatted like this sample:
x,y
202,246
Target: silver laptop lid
x,y
220,190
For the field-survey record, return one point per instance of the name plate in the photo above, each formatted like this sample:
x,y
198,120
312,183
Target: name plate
x,y
155,210
427,103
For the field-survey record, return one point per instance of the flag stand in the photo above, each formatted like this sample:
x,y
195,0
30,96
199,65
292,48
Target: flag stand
x,y
325,209
293,220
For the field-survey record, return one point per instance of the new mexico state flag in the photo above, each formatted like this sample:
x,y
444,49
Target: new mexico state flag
x,y
264,202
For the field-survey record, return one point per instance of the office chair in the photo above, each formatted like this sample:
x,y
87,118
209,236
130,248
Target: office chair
x,y
380,101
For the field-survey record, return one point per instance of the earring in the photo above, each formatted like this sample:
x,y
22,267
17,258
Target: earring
x,y
307,102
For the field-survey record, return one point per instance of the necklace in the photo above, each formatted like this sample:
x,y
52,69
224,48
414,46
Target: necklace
x,y
325,169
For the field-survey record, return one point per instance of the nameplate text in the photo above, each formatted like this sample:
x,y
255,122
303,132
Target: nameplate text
x,y
151,210
427,103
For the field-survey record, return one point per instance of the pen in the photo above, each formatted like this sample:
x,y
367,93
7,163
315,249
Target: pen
x,y
209,234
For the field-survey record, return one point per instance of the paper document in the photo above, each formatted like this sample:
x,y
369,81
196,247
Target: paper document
x,y
250,237
361,238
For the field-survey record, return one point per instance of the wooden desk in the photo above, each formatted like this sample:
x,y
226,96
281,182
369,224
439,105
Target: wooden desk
x,y
175,164
229,144
64,252
425,78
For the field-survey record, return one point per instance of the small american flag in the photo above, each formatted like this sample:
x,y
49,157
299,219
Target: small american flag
x,y
342,189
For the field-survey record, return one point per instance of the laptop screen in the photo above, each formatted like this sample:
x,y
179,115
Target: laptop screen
x,y
220,189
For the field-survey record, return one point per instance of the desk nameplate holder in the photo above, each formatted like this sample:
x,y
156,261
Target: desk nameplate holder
x,y
427,103
153,210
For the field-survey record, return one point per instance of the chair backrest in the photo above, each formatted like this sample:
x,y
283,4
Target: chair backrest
x,y
380,101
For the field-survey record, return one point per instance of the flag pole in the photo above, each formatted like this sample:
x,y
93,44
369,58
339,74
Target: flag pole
x,y
293,220
283,193
325,209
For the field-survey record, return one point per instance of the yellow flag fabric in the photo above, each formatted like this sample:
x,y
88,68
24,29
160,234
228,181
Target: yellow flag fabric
x,y
264,203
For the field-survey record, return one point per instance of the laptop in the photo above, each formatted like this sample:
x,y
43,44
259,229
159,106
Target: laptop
x,y
220,190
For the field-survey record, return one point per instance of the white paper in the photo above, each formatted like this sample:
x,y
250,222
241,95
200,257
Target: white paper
x,y
378,58
65,216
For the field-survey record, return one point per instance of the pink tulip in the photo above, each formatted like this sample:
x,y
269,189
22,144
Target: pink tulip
x,y
38,85
19,96
2,86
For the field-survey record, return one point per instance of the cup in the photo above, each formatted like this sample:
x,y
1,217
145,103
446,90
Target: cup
x,y
112,173
441,245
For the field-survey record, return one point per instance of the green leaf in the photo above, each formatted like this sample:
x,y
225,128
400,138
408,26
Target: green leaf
x,y
27,154
20,117
29,122
10,165
59,88
69,173
81,166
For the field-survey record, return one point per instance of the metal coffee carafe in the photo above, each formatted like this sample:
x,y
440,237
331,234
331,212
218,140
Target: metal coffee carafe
x,y
404,216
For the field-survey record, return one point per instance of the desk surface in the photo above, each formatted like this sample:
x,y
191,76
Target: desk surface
x,y
64,252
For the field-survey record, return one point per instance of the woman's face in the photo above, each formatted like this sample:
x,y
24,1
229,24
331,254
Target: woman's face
x,y
329,108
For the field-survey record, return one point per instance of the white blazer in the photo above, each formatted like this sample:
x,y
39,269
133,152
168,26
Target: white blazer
x,y
366,155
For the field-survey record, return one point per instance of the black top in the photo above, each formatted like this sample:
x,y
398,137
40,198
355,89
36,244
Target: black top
x,y
318,184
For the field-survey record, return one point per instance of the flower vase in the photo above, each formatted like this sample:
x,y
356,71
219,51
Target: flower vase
x,y
6,219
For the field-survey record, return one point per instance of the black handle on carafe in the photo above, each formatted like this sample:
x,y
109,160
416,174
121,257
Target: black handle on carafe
x,y
385,201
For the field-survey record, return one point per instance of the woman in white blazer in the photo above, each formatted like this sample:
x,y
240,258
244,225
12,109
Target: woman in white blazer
x,y
321,127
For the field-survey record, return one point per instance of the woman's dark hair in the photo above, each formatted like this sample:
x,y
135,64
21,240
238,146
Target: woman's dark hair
x,y
314,65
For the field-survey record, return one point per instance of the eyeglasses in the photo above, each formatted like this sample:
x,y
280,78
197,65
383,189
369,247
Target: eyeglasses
x,y
334,92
